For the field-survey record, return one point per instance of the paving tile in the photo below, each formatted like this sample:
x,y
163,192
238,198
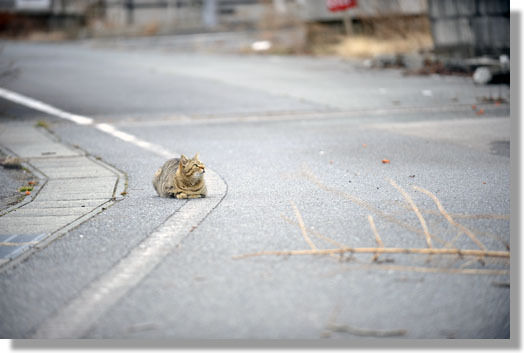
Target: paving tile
x,y
10,251
15,136
56,211
24,238
75,186
25,242
87,204
68,173
28,225
76,196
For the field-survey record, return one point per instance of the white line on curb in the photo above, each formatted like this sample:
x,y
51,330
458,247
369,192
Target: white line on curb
x,y
78,316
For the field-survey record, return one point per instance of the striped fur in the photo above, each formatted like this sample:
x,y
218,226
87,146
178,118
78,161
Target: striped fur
x,y
181,178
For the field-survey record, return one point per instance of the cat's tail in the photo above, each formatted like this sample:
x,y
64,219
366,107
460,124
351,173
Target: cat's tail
x,y
156,180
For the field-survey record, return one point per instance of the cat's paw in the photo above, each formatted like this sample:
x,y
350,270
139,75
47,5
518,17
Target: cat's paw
x,y
194,196
181,195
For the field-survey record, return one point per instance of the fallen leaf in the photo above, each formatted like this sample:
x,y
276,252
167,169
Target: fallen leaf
x,y
412,176
28,192
474,107
364,145
480,112
385,161
32,182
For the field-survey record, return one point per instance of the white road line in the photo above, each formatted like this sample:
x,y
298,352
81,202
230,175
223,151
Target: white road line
x,y
110,129
76,318
83,120
43,107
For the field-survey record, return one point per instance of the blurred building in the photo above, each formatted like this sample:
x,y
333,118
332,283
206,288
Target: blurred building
x,y
470,27
459,27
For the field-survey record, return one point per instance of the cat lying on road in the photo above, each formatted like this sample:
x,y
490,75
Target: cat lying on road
x,y
182,178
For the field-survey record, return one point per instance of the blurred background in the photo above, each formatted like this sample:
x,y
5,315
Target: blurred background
x,y
393,32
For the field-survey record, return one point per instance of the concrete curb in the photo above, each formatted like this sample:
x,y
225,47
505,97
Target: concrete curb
x,y
72,188
75,319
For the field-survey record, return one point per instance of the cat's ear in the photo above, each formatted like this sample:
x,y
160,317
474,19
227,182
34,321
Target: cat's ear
x,y
183,161
195,158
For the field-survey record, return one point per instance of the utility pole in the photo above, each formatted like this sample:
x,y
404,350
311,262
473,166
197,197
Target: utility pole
x,y
130,6
209,14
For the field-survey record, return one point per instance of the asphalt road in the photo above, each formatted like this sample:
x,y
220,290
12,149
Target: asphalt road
x,y
282,132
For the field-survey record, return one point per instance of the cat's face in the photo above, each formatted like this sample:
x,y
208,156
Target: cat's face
x,y
192,168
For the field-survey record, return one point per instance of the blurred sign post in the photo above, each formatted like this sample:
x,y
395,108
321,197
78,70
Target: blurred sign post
x,y
342,5
130,6
209,13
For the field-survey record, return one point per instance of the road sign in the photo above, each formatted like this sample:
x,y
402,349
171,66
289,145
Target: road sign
x,y
340,5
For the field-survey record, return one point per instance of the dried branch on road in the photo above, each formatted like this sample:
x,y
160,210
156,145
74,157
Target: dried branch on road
x,y
468,232
380,244
424,251
302,226
365,332
341,249
416,210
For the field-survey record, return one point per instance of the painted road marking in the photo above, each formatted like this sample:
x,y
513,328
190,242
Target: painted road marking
x,y
111,130
43,107
78,316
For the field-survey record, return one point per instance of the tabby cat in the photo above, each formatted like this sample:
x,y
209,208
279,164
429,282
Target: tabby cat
x,y
182,178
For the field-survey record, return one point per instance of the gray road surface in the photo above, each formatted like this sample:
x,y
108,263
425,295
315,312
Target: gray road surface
x,y
281,131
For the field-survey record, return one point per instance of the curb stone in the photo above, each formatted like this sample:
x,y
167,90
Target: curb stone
x,y
72,187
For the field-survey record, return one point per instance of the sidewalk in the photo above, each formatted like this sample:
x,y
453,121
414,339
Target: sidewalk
x,y
72,187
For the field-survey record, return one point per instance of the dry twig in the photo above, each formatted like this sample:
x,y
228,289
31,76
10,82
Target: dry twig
x,y
309,175
424,251
316,233
302,226
416,210
365,332
380,244
451,221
